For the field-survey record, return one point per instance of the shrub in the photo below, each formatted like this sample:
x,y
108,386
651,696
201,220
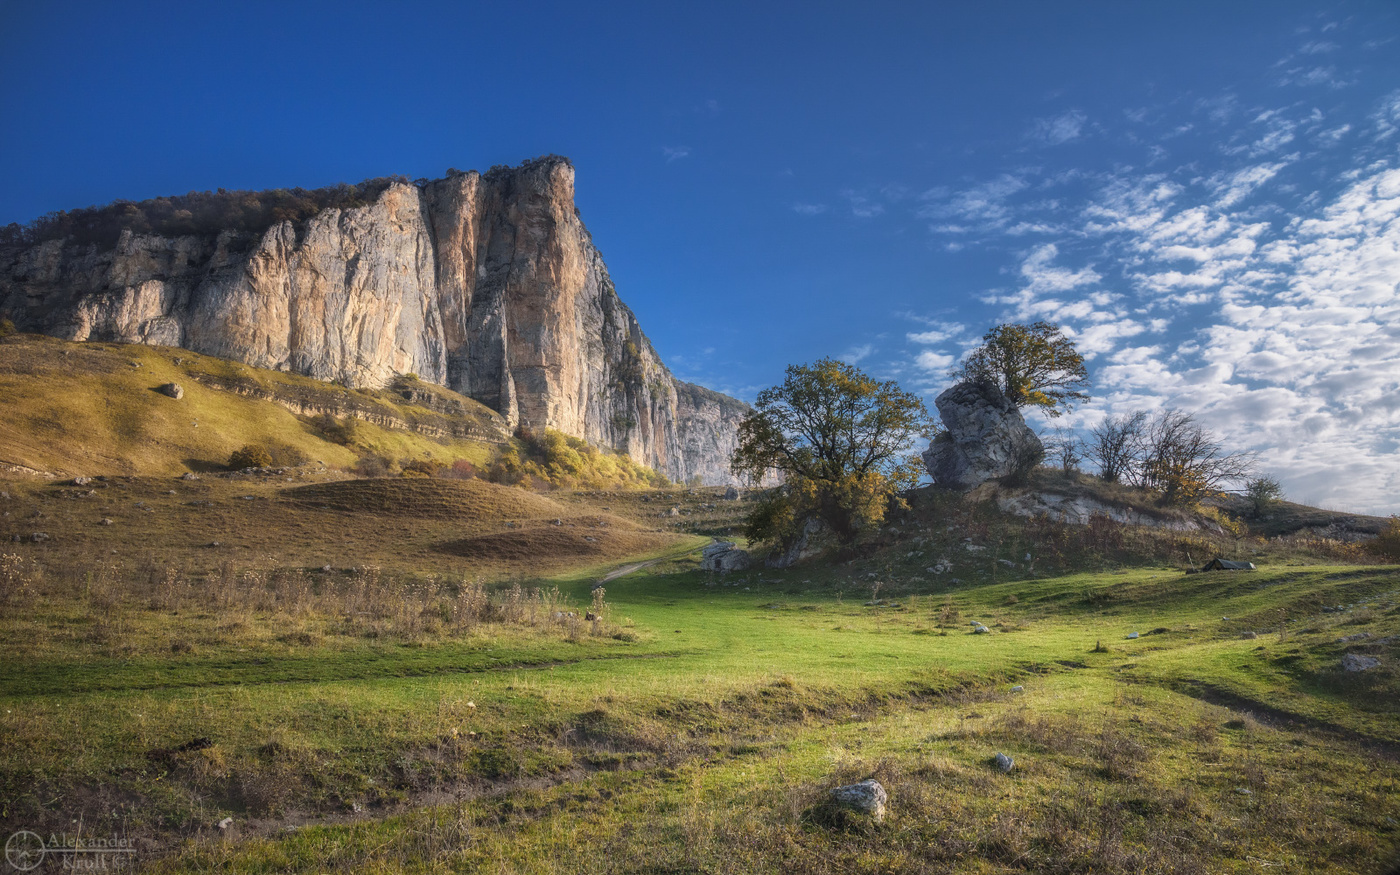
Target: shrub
x,y
250,456
551,459
337,431
1387,543
6,327
373,465
460,470
286,456
420,468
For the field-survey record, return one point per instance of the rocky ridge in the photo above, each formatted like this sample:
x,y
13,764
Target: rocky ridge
x,y
488,284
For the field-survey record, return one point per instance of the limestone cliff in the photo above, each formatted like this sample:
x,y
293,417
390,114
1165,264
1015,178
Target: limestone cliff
x,y
487,284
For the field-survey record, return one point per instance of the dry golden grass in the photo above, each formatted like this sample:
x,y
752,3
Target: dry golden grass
x,y
423,497
93,408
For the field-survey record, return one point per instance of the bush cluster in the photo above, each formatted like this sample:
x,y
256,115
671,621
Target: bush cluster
x,y
250,456
554,459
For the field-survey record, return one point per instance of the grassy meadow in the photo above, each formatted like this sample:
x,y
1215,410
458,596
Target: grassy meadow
x,y
418,675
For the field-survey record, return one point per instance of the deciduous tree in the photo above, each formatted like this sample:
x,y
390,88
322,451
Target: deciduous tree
x,y
1033,365
1184,461
839,440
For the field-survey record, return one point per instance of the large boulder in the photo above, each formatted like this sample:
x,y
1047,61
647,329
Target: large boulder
x,y
724,557
986,438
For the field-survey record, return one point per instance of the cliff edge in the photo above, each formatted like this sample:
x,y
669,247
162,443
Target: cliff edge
x,y
487,284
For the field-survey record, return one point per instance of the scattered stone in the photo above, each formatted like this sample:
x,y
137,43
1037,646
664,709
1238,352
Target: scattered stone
x,y
1244,791
590,539
40,537
1250,636
104,522
1346,639
1132,635
867,797
979,629
1007,562
973,548
326,569
213,544
557,523
1003,762
226,823
731,494
675,511
1358,662
172,390
1018,689
81,481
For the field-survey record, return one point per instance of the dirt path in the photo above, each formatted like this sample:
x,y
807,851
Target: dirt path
x,y
626,569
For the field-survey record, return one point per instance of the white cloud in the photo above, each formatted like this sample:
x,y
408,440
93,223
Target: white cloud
x,y
1235,187
929,360
938,332
675,153
1059,129
809,209
856,354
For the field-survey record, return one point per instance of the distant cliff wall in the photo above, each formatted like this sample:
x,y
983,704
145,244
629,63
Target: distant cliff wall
x,y
487,284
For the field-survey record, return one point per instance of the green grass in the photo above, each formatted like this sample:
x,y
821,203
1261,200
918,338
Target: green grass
x,y
706,739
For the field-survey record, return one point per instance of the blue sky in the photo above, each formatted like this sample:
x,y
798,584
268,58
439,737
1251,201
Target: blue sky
x,y
1205,195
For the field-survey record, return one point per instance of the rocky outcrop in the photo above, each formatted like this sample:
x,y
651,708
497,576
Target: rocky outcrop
x,y
986,438
1080,509
724,557
487,284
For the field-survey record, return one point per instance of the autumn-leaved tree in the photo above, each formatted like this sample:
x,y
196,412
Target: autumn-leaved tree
x,y
1033,365
840,443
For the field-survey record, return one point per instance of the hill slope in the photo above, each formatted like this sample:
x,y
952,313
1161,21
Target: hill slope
x,y
93,408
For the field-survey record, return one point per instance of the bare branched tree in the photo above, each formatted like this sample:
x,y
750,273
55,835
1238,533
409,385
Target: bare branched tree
x,y
1066,448
1116,446
1184,461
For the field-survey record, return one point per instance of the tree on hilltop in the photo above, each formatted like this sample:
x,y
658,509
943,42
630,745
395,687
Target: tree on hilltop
x,y
1033,365
840,442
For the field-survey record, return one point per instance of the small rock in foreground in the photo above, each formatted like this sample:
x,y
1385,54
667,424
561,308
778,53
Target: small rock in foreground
x,y
1003,762
867,797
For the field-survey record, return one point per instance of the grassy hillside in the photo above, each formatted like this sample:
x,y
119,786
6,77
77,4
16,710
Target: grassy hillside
x,y
392,713
92,408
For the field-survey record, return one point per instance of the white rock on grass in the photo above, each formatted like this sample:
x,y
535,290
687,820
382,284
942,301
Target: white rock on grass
x,y
1357,662
1003,762
867,797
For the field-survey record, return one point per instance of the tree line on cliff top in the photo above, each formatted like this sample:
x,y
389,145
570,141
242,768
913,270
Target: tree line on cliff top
x,y
839,440
197,214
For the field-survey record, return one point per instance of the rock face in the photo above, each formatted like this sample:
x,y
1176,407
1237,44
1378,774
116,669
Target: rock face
x,y
1080,509
487,284
986,438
